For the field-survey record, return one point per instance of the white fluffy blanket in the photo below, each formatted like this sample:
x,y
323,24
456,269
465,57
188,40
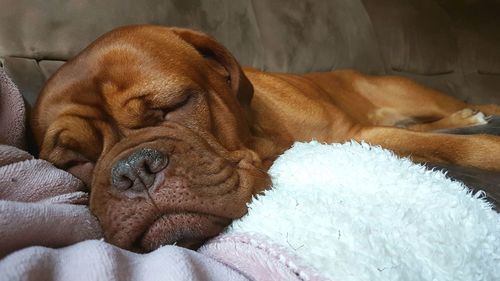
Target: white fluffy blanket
x,y
356,212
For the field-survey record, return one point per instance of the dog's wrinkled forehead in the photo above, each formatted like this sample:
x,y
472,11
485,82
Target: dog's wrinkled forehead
x,y
122,71
124,67
119,56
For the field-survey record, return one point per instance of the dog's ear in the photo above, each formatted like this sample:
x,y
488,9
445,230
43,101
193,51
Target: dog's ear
x,y
211,49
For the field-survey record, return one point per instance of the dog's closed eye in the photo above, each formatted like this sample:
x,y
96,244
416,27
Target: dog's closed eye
x,y
175,105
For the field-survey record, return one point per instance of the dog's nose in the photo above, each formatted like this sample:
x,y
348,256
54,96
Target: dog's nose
x,y
137,172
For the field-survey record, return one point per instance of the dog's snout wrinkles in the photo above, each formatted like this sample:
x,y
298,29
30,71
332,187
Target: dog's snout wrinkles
x,y
137,172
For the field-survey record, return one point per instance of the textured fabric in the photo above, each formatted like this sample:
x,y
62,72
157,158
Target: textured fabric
x,y
311,35
46,224
97,260
10,154
12,113
37,204
39,30
229,257
476,26
476,179
414,36
26,74
37,200
48,67
358,212
31,180
448,45
259,257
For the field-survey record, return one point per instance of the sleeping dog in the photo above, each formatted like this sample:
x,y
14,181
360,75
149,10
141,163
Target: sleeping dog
x,y
173,137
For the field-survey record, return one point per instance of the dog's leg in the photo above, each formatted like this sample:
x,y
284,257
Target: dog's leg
x,y
415,106
492,128
423,109
480,151
463,118
463,122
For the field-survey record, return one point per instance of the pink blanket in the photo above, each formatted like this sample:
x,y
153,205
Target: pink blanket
x,y
48,233
12,113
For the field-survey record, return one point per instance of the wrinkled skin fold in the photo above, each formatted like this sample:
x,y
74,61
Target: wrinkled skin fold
x,y
200,191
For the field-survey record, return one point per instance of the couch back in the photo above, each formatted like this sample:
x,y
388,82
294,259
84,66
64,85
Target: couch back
x,y
450,45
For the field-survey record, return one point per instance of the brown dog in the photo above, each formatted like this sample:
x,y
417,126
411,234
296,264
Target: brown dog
x,y
173,138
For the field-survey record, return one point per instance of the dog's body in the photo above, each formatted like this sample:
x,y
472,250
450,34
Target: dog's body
x,y
343,105
174,138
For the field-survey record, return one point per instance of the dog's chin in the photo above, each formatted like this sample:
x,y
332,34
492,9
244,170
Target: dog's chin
x,y
188,230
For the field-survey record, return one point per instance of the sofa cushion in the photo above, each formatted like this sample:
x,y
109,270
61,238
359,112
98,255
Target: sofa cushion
x,y
48,67
40,30
27,75
414,36
311,35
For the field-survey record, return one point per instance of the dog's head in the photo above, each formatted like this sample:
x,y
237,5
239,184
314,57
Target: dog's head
x,y
153,120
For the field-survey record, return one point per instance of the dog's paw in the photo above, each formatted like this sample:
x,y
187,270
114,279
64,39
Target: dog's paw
x,y
491,127
469,117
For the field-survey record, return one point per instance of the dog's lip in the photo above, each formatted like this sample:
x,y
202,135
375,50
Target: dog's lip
x,y
185,229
